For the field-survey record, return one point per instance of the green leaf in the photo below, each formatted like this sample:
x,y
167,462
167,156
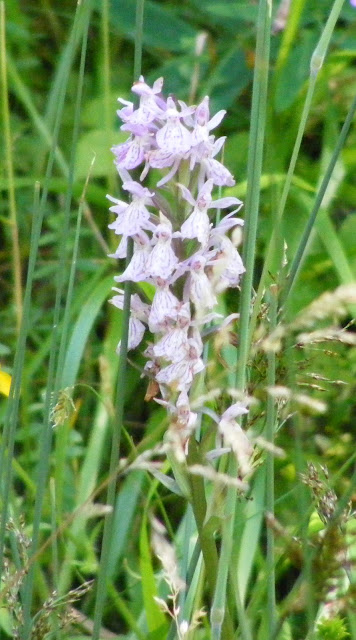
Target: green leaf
x,y
6,621
163,30
97,144
251,532
92,115
286,632
347,235
228,13
295,71
82,328
232,10
155,618
229,78
167,482
125,508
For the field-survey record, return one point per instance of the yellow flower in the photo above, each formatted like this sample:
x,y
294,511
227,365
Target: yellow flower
x,y
5,383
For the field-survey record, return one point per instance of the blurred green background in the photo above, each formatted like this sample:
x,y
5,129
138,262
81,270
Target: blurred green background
x,y
200,47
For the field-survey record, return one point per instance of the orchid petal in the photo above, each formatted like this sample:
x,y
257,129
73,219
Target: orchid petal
x,y
223,203
216,119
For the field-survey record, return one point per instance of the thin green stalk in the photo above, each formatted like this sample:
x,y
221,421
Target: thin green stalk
x,y
105,66
24,96
54,545
270,430
69,194
244,626
271,250
140,6
304,506
254,170
190,523
302,498
189,566
89,471
68,50
104,78
16,256
206,540
298,258
11,417
120,397
125,612
114,458
218,610
42,127
316,63
351,618
199,506
289,34
54,548
82,14
62,433
43,124
195,515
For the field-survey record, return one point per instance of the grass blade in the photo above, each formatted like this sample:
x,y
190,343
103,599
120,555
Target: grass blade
x,y
297,261
254,170
120,398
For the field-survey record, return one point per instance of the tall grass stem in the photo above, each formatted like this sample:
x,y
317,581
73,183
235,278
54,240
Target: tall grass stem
x,y
82,15
298,258
316,63
16,255
270,430
120,396
62,432
254,170
11,416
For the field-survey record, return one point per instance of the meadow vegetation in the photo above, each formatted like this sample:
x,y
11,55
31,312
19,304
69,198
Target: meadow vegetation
x,y
111,524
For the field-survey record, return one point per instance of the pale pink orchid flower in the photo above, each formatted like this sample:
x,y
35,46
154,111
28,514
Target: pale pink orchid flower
x,y
131,153
150,106
236,438
203,123
162,259
136,271
179,375
174,137
139,315
198,225
164,307
172,345
170,135
198,287
204,154
135,216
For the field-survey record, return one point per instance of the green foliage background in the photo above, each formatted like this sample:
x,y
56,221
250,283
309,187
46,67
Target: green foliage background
x,y
42,54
